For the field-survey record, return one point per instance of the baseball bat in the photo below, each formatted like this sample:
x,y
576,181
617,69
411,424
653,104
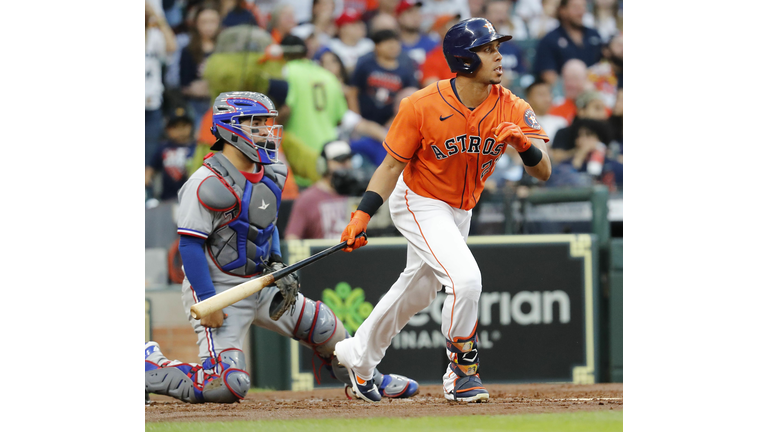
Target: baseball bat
x,y
252,286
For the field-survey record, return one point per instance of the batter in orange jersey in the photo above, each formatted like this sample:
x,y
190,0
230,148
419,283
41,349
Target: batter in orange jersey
x,y
442,146
450,149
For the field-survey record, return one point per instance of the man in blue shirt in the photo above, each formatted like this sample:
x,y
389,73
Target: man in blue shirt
x,y
570,40
376,82
415,43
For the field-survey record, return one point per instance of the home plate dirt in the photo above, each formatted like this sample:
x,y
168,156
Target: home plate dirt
x,y
326,403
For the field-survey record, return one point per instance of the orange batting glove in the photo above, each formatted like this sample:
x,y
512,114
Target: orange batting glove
x,y
357,224
511,134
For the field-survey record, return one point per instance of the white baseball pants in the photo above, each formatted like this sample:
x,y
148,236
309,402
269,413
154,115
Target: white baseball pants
x,y
438,255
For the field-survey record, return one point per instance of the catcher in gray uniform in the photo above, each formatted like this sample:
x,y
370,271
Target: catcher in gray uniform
x,y
226,221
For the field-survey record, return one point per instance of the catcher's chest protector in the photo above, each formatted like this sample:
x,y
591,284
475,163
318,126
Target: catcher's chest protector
x,y
243,242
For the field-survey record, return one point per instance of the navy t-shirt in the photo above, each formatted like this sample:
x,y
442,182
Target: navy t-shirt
x,y
512,57
171,159
557,47
189,69
378,86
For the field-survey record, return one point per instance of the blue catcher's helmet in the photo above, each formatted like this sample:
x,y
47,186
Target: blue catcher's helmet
x,y
464,38
258,143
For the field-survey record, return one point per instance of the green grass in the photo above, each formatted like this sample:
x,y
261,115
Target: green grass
x,y
597,421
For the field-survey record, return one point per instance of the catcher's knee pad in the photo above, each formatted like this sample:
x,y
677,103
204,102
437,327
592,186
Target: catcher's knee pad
x,y
465,360
232,382
179,380
231,386
319,327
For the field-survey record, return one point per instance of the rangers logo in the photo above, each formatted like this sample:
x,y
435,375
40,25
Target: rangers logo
x,y
530,120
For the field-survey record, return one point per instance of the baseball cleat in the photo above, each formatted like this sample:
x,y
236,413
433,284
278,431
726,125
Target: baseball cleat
x,y
363,389
398,386
468,389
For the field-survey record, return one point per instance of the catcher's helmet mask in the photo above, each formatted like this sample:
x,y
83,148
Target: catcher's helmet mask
x,y
464,39
258,143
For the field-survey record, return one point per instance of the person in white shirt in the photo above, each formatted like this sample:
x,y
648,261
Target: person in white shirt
x,y
159,41
351,43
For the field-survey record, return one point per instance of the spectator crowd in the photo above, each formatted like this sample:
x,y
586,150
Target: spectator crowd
x,y
338,69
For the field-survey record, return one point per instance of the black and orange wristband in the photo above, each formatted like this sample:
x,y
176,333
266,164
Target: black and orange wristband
x,y
532,156
370,203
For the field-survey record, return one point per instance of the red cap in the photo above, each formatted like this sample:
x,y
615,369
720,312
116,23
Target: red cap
x,y
404,5
347,17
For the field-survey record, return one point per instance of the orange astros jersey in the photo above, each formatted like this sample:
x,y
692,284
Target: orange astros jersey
x,y
450,149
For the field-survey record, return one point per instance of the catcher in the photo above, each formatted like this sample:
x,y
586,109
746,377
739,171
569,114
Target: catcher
x,y
226,221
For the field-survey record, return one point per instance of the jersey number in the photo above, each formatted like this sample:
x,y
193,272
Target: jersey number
x,y
487,167
319,97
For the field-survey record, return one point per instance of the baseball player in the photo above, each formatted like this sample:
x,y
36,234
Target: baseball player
x,y
442,146
226,220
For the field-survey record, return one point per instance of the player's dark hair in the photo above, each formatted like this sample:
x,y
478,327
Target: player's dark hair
x,y
537,82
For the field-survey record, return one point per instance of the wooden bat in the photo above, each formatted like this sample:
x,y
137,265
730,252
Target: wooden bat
x,y
252,286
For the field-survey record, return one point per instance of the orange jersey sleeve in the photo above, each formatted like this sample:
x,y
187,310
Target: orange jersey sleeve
x,y
526,119
404,136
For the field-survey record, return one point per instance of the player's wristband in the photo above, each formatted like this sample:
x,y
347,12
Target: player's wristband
x,y
532,156
370,203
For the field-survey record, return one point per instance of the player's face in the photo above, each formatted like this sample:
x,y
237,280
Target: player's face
x,y
260,127
490,70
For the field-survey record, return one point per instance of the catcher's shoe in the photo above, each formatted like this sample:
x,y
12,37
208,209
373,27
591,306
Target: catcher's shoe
x,y
363,389
468,389
153,355
398,386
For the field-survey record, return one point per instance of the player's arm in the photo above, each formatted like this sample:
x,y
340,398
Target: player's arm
x,y
533,151
543,169
379,189
192,251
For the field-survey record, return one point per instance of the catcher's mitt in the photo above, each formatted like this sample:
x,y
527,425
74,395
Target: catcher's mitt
x,y
289,290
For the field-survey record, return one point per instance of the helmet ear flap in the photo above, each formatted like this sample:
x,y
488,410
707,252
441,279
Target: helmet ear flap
x,y
215,132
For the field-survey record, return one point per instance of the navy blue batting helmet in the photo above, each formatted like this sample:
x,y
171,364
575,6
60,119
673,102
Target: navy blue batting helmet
x,y
464,38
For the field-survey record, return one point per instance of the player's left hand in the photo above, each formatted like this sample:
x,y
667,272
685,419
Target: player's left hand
x,y
289,289
357,225
511,134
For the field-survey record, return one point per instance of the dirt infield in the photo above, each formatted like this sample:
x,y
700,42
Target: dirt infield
x,y
324,403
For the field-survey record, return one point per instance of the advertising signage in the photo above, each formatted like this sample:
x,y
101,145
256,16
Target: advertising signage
x,y
536,319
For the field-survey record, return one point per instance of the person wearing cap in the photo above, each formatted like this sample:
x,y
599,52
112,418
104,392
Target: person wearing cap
x,y
350,42
315,100
588,162
415,42
321,211
379,80
171,157
435,67
589,106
